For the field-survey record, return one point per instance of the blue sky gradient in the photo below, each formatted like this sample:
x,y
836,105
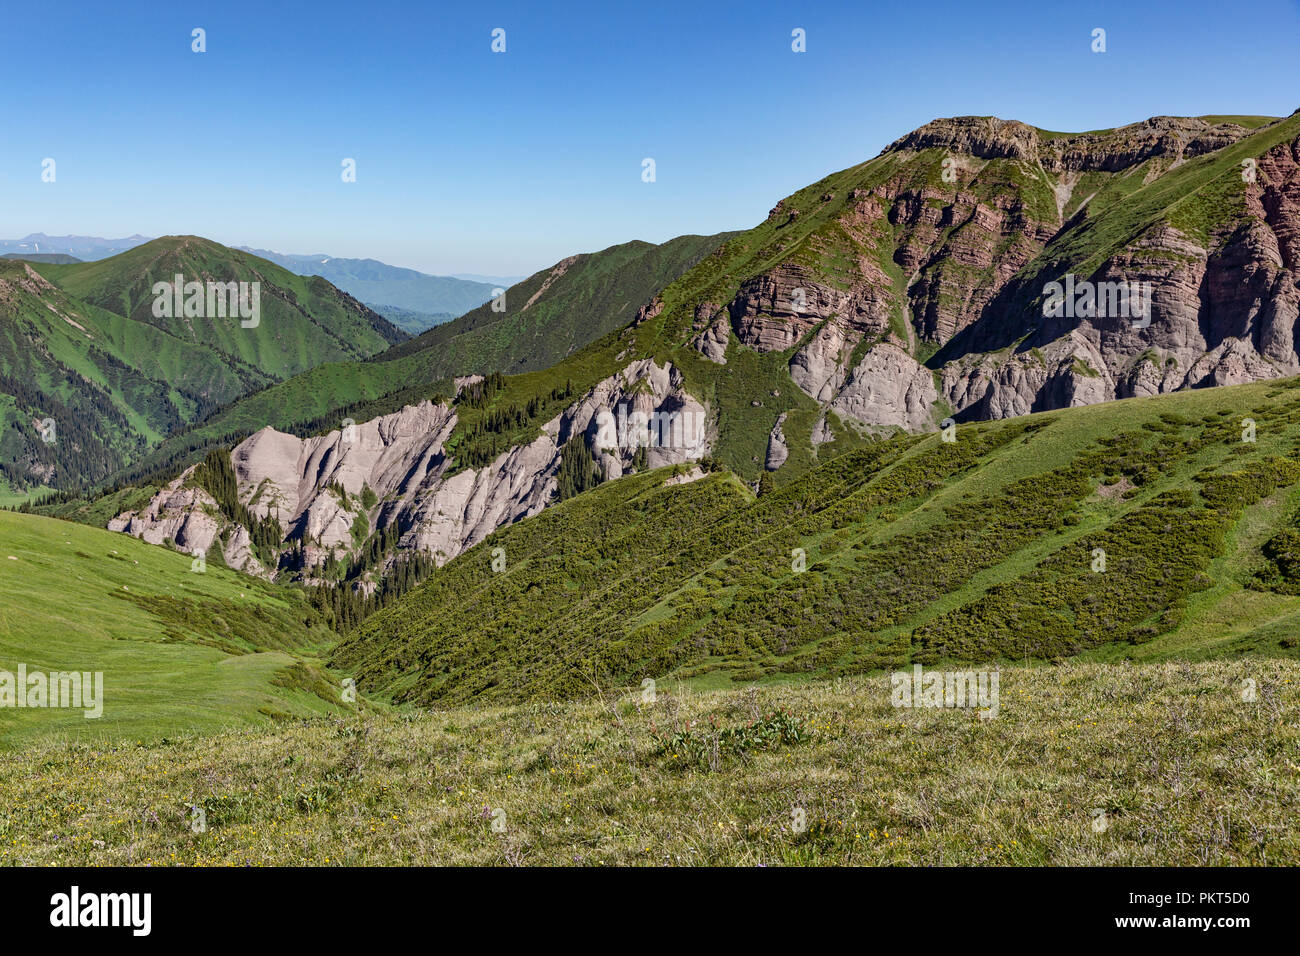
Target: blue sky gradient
x,y
470,161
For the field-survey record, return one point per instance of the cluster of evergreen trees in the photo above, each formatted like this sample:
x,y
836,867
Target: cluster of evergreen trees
x,y
482,440
345,607
216,476
579,471
159,471
479,394
46,500
379,544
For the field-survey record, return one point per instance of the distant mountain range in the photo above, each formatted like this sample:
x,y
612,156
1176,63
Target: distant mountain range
x,y
81,247
506,281
119,380
413,301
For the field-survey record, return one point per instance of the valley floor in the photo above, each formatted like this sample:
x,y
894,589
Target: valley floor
x,y
1085,764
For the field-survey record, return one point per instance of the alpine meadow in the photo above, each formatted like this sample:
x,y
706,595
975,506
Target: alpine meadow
x,y
899,481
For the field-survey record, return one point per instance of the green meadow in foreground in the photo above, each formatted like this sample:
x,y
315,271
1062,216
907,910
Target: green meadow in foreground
x,y
180,651
1085,764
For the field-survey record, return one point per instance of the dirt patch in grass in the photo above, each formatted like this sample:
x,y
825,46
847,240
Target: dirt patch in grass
x,y
1116,491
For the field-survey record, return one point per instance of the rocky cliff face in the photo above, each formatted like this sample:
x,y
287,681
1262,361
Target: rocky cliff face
x,y
329,493
987,137
917,285
189,520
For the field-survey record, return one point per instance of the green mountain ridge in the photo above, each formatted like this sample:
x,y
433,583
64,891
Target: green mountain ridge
x,y
79,344
294,338
563,308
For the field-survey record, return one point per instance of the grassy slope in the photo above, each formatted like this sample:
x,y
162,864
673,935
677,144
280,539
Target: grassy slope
x,y
112,386
1186,772
180,651
1193,197
917,550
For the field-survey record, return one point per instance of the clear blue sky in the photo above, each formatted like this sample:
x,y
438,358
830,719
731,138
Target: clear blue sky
x,y
470,161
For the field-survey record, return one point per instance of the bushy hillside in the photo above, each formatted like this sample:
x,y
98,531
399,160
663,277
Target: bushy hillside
x,y
180,651
1142,529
